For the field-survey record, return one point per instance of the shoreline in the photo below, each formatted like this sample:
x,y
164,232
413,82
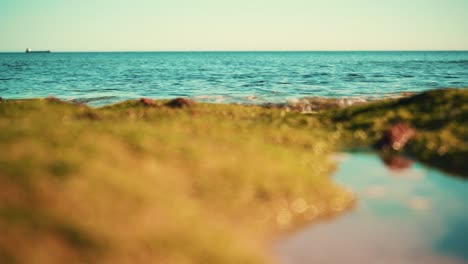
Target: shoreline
x,y
339,101
323,107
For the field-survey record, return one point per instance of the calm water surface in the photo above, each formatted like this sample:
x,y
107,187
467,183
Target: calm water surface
x,y
243,77
402,216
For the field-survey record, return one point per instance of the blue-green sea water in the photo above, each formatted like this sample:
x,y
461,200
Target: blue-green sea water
x,y
243,77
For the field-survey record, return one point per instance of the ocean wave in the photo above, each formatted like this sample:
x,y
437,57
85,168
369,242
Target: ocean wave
x,y
354,76
212,98
86,100
255,84
456,61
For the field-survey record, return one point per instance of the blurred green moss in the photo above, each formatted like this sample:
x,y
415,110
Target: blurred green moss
x,y
132,183
146,183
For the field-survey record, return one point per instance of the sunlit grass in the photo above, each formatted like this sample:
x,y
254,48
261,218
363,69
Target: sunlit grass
x,y
132,183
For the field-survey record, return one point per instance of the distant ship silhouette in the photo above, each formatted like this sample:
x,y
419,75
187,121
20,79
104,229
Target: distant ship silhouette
x,y
28,50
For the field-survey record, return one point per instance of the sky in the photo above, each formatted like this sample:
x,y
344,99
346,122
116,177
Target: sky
x,y
221,25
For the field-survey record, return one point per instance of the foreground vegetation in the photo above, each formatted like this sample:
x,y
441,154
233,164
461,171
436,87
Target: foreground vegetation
x,y
132,183
141,182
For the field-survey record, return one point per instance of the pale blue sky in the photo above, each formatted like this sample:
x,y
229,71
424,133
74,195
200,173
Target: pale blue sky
x,y
161,25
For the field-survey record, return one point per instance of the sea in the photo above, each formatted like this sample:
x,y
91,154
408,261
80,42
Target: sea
x,y
101,78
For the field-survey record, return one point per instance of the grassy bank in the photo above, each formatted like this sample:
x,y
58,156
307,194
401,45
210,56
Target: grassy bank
x,y
440,118
141,182
131,183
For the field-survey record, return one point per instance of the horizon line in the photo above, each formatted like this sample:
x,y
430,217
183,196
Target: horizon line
x,y
194,51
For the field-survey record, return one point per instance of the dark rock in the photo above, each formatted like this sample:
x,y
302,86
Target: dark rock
x,y
2,100
180,103
147,101
396,137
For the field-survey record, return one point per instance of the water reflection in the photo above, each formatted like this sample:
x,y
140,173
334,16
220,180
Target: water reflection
x,y
418,217
396,162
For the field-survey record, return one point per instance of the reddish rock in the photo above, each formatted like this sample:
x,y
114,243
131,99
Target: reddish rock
x,y
396,137
180,103
147,101
53,99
